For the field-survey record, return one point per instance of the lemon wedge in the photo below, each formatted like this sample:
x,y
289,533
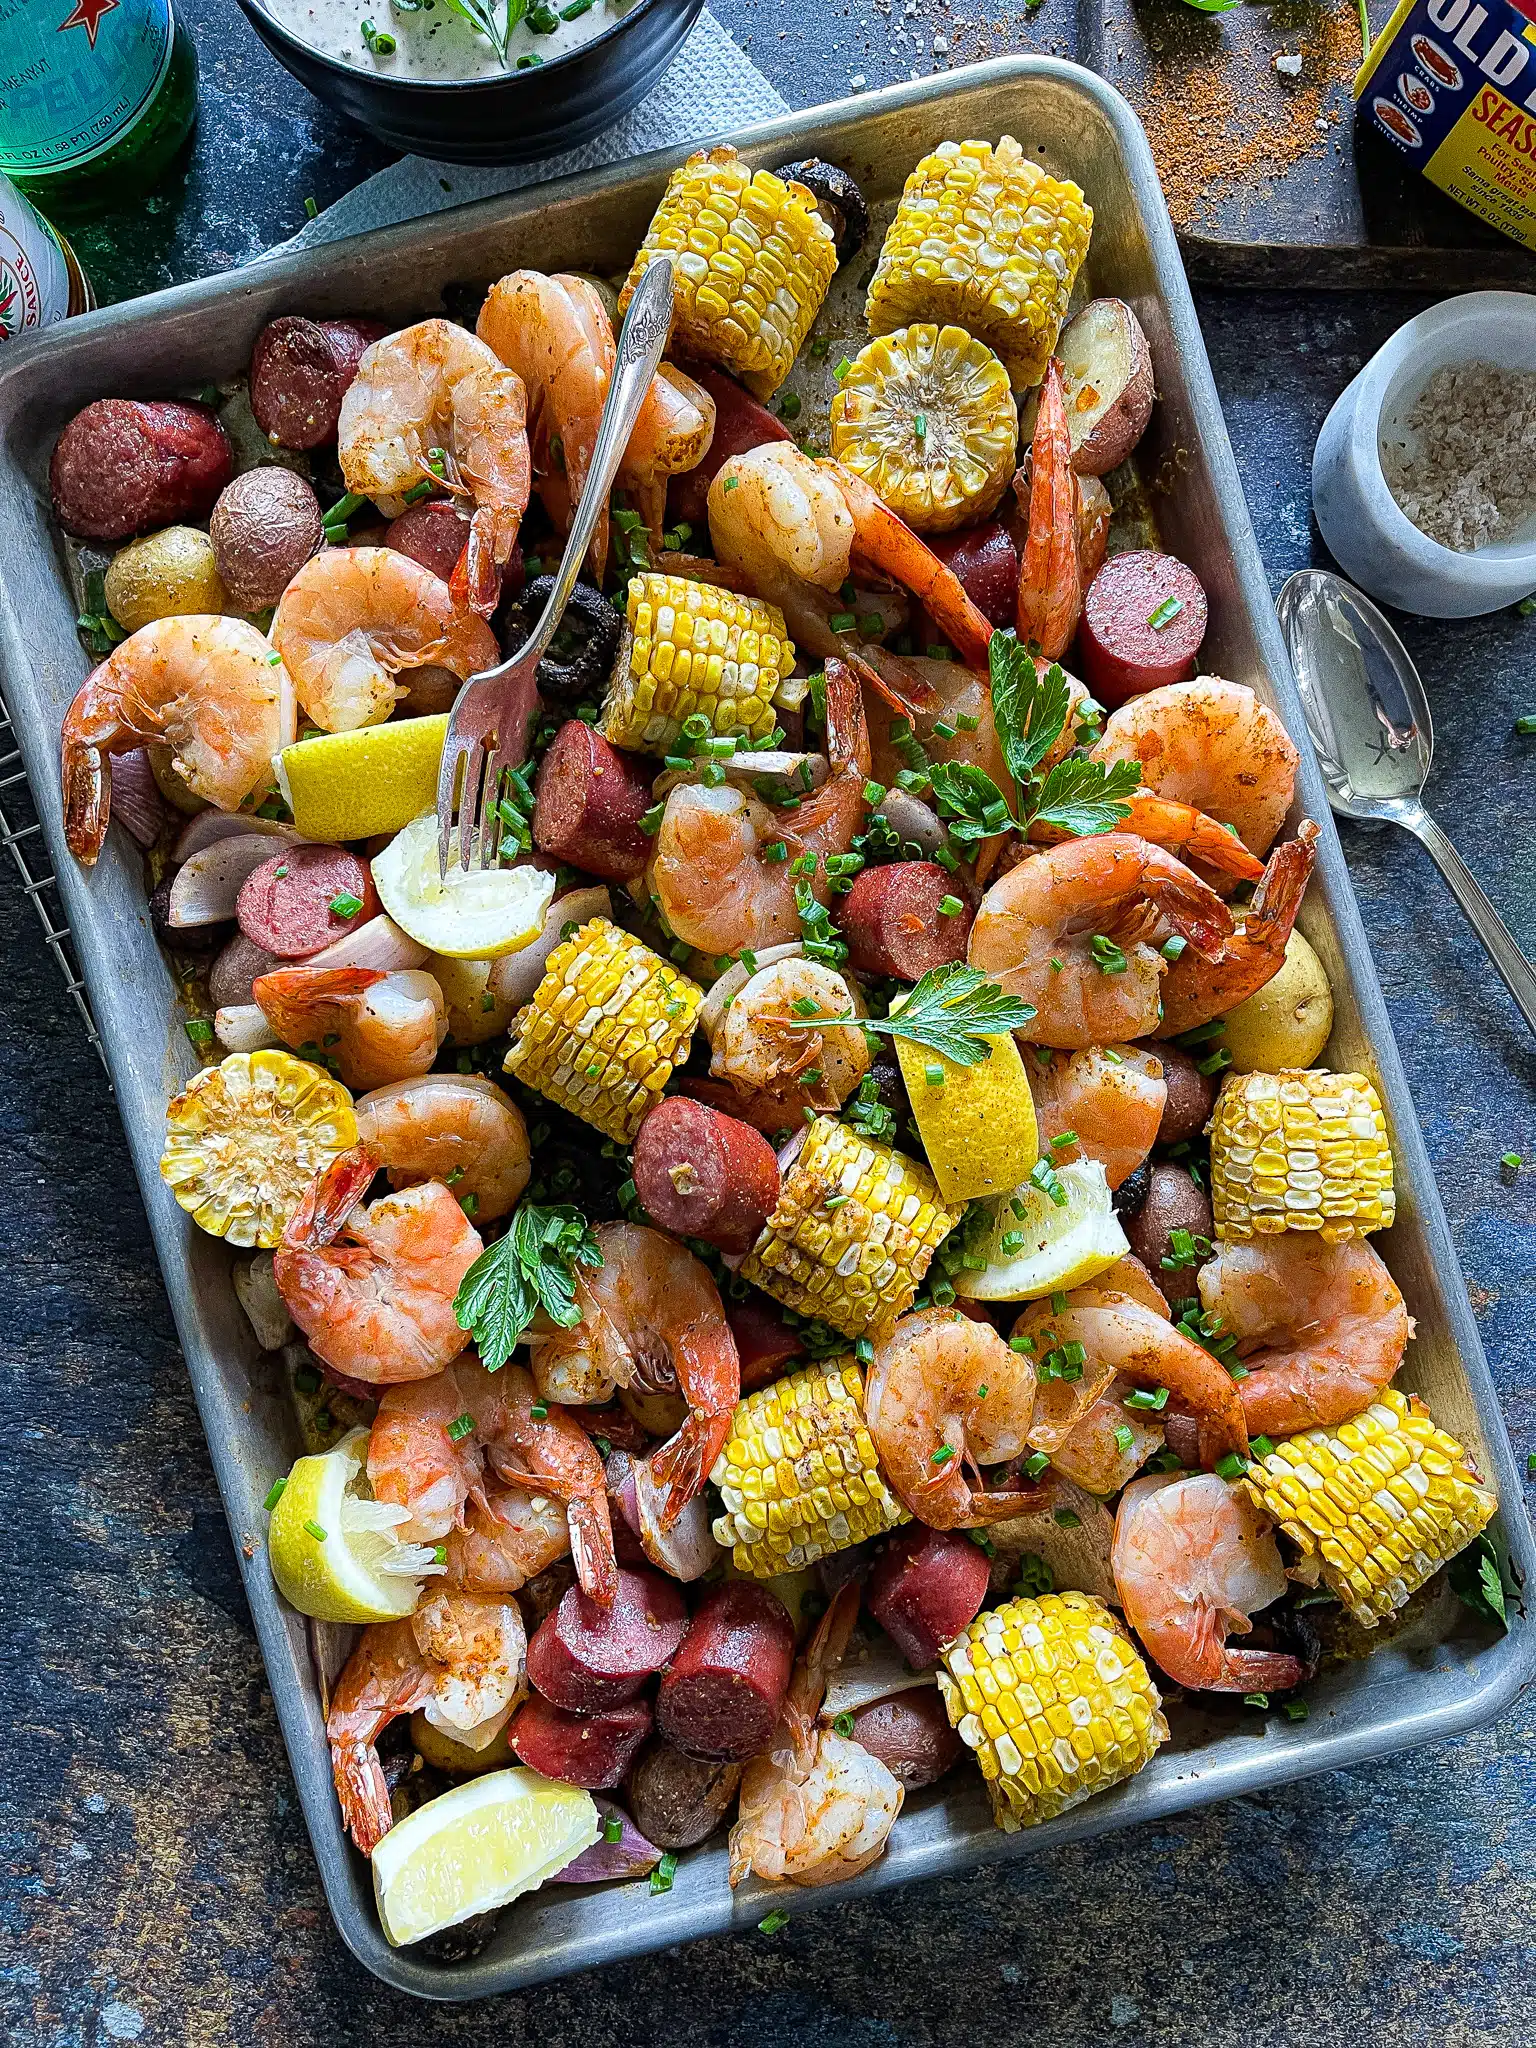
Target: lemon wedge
x,y
351,785
477,914
1035,1245
476,1848
977,1123
332,1546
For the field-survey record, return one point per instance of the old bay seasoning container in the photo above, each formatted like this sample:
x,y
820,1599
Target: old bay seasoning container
x,y
1452,85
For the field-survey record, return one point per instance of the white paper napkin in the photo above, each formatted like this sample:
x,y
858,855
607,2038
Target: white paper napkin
x,y
710,87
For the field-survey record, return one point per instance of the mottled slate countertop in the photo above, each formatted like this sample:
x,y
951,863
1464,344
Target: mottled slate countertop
x,y
156,1882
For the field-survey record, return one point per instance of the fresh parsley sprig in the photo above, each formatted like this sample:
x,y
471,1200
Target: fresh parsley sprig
x,y
532,1267
953,1010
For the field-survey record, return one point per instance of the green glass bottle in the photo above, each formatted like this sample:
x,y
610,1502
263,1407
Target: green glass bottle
x,y
96,97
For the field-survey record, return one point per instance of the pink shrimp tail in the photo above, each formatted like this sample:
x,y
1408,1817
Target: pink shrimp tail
x,y
287,995
475,584
362,1793
683,1463
1278,896
592,1551
330,1199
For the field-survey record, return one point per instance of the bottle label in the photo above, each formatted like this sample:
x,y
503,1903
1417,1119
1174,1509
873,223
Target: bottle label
x,y
75,75
34,278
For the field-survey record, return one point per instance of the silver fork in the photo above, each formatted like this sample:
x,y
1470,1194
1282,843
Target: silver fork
x,y
493,713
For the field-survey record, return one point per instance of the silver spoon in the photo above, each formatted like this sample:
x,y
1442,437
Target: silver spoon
x,y
1369,719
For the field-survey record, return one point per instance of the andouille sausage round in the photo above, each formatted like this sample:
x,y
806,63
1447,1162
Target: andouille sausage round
x,y
926,1586
721,1696
590,1750
125,465
904,918
587,1657
300,372
702,1174
1121,652
588,801
302,899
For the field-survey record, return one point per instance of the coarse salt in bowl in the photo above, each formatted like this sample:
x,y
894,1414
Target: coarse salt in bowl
x,y
1373,540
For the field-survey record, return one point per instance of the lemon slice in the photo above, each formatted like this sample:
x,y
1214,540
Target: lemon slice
x,y
477,914
351,785
977,1123
332,1545
476,1848
1049,1245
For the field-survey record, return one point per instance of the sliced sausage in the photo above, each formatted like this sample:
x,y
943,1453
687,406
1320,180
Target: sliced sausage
x,y
678,1800
301,900
721,1697
431,533
927,1585
300,371
125,465
987,563
701,1174
893,924
590,1750
588,802
587,1657
910,1734
765,1343
1122,653
740,423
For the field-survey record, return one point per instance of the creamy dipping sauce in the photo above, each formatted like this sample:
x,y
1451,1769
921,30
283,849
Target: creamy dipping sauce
x,y
434,43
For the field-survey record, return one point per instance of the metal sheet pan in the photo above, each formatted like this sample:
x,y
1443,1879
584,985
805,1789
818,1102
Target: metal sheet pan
x,y
1449,1678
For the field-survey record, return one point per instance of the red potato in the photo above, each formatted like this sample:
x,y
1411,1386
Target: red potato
x,y
893,924
588,802
295,904
586,1657
300,371
431,533
264,528
1173,1201
701,1174
926,1586
1121,653
765,1344
590,1750
740,423
721,1697
237,966
1191,1096
911,1736
124,466
678,1800
987,563
1107,379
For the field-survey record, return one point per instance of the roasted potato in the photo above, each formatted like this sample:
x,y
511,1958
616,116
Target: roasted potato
x,y
1173,1202
1191,1096
1107,380
264,528
457,1759
1288,1021
164,574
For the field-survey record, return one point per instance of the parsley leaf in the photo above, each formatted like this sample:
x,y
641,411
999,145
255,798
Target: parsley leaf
x,y
1085,798
1028,709
953,1010
1475,1578
531,1268
971,801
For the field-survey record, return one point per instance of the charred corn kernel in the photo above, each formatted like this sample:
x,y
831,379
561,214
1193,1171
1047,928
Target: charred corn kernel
x,y
927,417
988,240
798,1476
692,647
752,260
1383,1501
1055,1701
857,1264
605,1028
244,1139
1300,1150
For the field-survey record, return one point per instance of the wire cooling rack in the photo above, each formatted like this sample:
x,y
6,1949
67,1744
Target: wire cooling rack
x,y
22,835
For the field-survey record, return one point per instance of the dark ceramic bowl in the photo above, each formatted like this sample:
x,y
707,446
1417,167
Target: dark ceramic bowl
x,y
514,119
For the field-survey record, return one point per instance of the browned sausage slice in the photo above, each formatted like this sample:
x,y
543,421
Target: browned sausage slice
x,y
588,803
721,1697
300,371
1123,653
590,1750
927,1585
304,898
124,466
893,923
432,534
587,1657
740,423
701,1174
765,1343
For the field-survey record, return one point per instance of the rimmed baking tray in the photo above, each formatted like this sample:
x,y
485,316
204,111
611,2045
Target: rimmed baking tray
x,y
1447,1676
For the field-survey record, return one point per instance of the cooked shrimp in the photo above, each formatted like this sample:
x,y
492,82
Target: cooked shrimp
x,y
1193,1561
719,887
1109,1443
1321,1328
818,1806
651,1320
951,695
1213,744
458,1658
1182,830
377,1027
672,434
778,1067
1203,985
206,687
432,403
353,618
460,1129
1109,1108
945,1395
508,1537
372,1286
1071,931
1050,569
415,1462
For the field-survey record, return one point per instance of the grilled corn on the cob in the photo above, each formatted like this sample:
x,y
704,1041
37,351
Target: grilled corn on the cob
x,y
244,1139
606,1026
985,238
752,261
1384,1501
1055,1701
1300,1150
693,647
798,1476
853,1232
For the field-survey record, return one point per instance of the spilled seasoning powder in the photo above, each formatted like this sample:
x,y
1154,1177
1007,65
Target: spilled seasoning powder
x,y
1461,462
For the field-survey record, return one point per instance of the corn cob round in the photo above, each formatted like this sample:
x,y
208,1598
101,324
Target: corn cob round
x,y
990,241
693,647
606,1026
752,262
926,416
244,1139
853,1232
798,1476
1383,1501
1055,1701
1300,1150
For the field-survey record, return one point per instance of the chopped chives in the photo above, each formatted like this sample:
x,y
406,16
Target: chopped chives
x,y
1232,1466
842,1724
613,1827
665,1871
772,1922
538,1410
276,1494
313,1528
1165,614
460,1428
942,1455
